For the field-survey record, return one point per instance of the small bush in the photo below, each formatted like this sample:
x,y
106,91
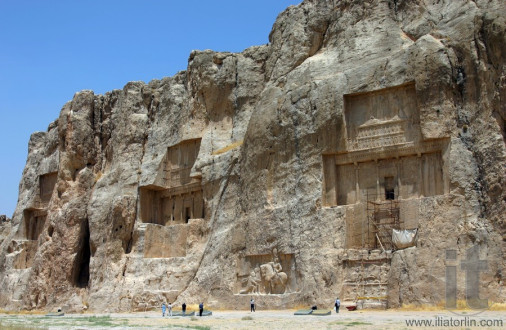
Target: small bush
x,y
247,318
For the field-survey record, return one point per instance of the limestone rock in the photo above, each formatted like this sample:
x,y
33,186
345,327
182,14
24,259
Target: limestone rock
x,y
5,225
278,172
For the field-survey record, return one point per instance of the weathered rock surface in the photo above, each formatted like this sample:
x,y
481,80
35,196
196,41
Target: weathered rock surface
x,y
248,173
5,226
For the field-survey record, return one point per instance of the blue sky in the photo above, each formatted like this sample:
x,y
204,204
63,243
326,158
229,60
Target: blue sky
x,y
51,49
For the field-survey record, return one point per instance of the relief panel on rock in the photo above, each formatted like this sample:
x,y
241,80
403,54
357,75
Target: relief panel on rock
x,y
365,278
46,186
382,118
266,274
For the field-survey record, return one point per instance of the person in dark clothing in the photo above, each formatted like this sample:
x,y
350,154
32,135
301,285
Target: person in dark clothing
x,y
337,304
184,308
201,308
252,303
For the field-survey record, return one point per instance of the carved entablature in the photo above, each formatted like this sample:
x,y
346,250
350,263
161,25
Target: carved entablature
x,y
381,118
266,274
375,134
403,150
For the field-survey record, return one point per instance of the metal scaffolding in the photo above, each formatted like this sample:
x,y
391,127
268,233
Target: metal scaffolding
x,y
382,216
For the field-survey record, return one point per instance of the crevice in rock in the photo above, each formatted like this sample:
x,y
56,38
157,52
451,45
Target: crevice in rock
x,y
129,243
395,6
128,247
81,269
460,76
124,268
460,81
92,115
320,40
410,36
484,37
211,222
503,129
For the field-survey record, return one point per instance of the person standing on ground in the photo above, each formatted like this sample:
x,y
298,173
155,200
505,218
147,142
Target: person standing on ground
x,y
252,303
163,309
337,304
183,307
201,308
169,309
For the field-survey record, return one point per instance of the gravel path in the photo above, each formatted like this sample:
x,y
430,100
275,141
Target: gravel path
x,y
364,319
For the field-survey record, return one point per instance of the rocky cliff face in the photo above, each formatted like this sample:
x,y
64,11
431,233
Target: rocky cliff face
x,y
4,227
278,172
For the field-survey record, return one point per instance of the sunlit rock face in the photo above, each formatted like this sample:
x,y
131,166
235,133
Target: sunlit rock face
x,y
278,173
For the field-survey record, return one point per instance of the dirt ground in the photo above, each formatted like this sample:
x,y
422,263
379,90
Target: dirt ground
x,y
285,319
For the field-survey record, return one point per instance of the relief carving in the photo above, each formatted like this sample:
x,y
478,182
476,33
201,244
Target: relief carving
x,y
382,118
273,278
266,274
252,283
377,133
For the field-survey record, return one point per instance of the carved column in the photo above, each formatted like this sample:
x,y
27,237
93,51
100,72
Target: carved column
x,y
378,188
399,182
357,186
420,175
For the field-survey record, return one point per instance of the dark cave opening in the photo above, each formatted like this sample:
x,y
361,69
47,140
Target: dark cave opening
x,y
82,262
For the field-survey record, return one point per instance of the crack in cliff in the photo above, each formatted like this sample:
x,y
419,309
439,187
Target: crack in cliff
x,y
81,267
211,225
139,172
236,85
324,36
465,123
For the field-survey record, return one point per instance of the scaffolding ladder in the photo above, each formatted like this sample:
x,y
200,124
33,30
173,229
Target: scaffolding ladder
x,y
383,216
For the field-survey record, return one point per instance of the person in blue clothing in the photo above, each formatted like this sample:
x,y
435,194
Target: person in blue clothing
x,y
201,308
163,309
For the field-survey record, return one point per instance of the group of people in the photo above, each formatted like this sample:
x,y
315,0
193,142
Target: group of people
x,y
167,309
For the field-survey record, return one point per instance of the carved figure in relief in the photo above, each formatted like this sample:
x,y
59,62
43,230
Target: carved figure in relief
x,y
273,278
252,282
